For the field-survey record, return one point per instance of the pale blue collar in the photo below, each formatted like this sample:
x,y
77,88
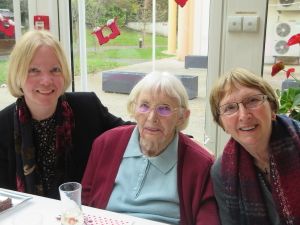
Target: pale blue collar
x,y
164,162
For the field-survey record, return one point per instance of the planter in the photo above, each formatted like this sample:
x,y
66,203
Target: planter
x,y
287,83
195,61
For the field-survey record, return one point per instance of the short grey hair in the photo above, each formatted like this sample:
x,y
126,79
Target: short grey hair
x,y
160,82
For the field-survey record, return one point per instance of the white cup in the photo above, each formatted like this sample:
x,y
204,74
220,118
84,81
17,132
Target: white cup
x,y
70,195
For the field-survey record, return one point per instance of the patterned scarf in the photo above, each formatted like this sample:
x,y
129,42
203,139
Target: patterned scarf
x,y
26,167
241,180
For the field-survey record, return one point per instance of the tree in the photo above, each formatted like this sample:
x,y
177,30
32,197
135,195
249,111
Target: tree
x,y
6,4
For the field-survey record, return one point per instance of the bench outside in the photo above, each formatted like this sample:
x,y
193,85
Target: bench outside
x,y
123,82
195,61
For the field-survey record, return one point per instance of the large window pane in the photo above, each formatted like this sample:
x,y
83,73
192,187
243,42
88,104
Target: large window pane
x,y
7,41
130,53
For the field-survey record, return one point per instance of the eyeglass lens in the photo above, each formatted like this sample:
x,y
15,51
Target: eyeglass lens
x,y
248,103
162,110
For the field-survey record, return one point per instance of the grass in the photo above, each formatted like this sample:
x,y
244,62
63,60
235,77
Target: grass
x,y
124,51
121,51
3,71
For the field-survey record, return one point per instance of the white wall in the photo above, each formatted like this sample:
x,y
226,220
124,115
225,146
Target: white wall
x,y
46,8
58,12
228,49
200,32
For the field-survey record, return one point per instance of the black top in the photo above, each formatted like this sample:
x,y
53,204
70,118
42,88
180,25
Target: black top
x,y
91,119
44,133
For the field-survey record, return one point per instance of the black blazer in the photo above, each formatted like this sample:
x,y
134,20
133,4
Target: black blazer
x,y
91,119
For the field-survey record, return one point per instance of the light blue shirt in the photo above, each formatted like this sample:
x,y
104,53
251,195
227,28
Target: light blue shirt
x,y
146,187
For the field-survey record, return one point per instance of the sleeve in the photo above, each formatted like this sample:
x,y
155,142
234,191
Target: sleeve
x,y
90,175
208,211
220,194
197,201
7,152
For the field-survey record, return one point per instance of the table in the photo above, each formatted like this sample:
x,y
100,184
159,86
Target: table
x,y
49,209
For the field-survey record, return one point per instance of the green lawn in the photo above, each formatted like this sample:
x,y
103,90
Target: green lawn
x,y
3,70
124,51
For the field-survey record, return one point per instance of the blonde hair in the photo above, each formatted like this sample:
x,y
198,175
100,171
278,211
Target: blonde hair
x,y
243,77
23,53
160,82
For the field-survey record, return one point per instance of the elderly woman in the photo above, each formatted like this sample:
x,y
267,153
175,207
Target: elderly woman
x,y
255,180
47,135
152,170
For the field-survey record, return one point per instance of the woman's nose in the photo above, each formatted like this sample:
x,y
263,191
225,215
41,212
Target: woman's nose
x,y
46,78
152,114
243,111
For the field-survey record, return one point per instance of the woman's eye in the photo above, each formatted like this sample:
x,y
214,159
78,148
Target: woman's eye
x,y
143,107
251,102
56,70
164,110
33,70
230,107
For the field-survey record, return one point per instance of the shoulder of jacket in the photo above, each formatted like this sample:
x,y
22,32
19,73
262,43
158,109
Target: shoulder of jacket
x,y
7,111
79,95
193,149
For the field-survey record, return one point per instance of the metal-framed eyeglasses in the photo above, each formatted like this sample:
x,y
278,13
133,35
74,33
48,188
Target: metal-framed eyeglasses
x,y
250,102
162,110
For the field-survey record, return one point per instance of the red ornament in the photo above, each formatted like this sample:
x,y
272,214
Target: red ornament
x,y
295,39
276,68
112,26
181,2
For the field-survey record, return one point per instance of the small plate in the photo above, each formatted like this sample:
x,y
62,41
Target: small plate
x,y
16,197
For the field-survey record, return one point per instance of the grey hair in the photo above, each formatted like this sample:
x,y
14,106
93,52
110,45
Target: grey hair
x,y
160,82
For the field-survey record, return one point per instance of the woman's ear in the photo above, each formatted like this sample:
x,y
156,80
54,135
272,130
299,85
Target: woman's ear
x,y
184,116
273,115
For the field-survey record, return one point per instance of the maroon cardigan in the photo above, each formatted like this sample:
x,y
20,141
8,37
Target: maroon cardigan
x,y
196,197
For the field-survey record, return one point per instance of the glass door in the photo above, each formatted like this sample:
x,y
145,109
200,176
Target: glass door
x,y
13,22
124,40
282,23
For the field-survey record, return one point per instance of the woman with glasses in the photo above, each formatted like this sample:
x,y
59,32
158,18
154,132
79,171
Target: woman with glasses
x,y
255,179
152,170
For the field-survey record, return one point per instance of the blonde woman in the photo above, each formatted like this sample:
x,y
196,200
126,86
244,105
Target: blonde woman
x,y
46,136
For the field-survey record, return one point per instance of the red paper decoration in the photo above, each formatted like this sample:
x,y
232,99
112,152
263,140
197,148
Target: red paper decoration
x,y
181,2
112,26
295,39
7,26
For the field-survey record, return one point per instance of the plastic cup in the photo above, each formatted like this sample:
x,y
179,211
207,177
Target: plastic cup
x,y
70,195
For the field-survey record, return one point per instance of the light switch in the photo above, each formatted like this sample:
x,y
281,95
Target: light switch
x,y
234,23
250,23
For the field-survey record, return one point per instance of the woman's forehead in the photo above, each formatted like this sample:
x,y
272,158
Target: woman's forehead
x,y
155,97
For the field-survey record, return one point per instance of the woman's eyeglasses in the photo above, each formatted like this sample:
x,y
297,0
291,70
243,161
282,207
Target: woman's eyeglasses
x,y
249,103
161,110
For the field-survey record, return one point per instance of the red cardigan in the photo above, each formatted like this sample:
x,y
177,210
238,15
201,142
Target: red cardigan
x,y
196,197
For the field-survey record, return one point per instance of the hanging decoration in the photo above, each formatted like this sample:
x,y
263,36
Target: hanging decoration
x,y
7,26
181,2
112,27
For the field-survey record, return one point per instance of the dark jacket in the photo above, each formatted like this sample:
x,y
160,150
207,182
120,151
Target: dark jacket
x,y
91,119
